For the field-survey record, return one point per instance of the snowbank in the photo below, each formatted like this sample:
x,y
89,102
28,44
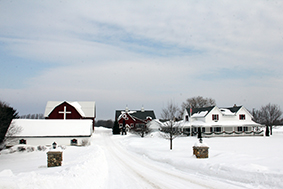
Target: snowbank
x,y
238,162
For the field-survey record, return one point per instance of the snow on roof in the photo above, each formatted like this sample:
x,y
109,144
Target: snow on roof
x,y
85,108
78,108
124,113
136,114
129,112
48,127
199,114
226,112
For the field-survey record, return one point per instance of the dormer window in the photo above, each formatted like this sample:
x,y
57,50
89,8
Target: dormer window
x,y
242,116
215,117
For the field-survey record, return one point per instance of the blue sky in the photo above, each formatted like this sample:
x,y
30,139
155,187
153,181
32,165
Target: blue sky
x,y
140,53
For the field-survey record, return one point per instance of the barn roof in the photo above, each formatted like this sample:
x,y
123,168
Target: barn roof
x,y
52,128
85,108
140,114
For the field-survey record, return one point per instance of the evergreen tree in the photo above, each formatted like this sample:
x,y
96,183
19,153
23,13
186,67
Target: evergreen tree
x,y
116,129
7,114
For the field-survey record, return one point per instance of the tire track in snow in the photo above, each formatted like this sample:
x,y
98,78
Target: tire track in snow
x,y
154,176
119,161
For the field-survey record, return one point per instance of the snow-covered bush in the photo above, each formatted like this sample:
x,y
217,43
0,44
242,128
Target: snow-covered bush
x,y
30,149
62,147
21,149
85,142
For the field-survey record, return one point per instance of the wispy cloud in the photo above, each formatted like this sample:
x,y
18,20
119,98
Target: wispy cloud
x,y
140,52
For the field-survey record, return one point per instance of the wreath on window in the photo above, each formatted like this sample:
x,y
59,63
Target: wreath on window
x,y
124,116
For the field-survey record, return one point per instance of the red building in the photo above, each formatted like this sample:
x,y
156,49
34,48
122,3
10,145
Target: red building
x,y
134,119
70,110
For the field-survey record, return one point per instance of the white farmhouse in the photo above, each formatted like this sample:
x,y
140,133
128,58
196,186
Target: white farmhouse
x,y
46,132
215,121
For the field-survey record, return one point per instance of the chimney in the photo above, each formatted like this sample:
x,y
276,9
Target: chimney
x,y
127,109
235,105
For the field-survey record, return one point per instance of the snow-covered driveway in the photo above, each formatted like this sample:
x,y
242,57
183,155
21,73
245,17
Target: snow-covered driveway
x,y
129,170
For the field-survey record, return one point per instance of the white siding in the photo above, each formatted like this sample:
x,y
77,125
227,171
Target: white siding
x,y
66,141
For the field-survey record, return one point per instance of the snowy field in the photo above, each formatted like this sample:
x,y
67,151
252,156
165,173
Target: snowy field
x,y
134,162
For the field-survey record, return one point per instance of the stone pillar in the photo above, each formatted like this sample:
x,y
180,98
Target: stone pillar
x,y
54,158
200,151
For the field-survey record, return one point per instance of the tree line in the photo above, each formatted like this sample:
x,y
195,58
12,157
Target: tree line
x,y
104,123
32,116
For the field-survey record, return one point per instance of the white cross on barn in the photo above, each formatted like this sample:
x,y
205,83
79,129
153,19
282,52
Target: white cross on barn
x,y
64,112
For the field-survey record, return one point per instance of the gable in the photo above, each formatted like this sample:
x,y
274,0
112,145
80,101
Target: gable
x,y
65,111
243,110
85,109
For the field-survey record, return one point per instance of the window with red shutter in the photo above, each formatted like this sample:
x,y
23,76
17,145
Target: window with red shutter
x,y
215,117
242,116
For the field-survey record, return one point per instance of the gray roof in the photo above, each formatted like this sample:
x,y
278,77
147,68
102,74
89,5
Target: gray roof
x,y
234,109
198,110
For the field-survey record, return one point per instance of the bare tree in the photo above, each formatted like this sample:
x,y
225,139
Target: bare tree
x,y
141,130
170,112
269,115
170,130
12,130
256,115
197,102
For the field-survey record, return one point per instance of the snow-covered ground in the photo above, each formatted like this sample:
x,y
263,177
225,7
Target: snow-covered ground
x,y
134,162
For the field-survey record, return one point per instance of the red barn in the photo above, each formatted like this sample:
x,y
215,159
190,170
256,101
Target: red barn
x,y
70,110
134,118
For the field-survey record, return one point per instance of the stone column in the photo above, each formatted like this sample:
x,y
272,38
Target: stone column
x,y
54,158
200,150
